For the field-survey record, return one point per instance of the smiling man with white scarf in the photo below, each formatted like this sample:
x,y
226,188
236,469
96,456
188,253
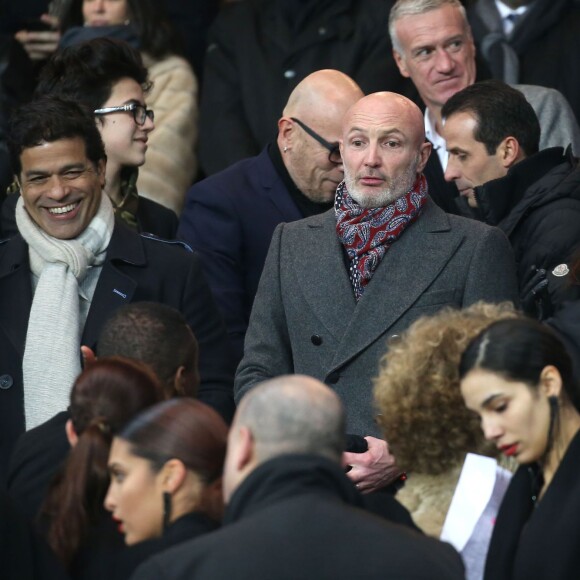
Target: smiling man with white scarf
x,y
72,266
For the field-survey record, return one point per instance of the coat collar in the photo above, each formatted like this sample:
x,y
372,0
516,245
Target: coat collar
x,y
498,199
273,186
114,287
396,284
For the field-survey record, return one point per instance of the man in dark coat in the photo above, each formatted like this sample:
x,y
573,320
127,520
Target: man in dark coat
x,y
492,136
291,511
229,218
72,265
532,42
259,50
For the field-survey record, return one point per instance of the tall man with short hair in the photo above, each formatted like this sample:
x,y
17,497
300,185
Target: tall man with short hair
x,y
336,286
433,46
72,265
492,136
291,511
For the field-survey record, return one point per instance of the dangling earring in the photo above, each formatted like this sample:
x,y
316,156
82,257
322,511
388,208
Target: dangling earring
x,y
554,416
166,509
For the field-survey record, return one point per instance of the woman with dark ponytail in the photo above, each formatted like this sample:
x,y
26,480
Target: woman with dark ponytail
x,y
518,377
105,396
166,474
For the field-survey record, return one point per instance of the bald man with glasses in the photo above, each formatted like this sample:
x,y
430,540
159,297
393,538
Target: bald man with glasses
x,y
229,218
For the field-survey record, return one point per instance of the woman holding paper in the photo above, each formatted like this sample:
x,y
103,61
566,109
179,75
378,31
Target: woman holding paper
x,y
517,376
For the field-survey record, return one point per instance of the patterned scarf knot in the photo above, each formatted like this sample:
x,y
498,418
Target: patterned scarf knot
x,y
367,234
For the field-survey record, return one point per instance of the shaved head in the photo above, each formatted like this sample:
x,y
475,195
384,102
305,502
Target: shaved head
x,y
293,414
319,102
383,148
288,414
325,93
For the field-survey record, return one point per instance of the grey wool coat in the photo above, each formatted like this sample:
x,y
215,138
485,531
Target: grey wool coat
x,y
305,318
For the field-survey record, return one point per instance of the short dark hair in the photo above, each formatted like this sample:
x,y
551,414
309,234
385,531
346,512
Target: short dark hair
x,y
501,111
86,72
151,332
518,350
49,119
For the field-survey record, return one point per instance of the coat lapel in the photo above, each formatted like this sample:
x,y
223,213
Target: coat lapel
x,y
274,189
114,288
405,273
15,292
327,290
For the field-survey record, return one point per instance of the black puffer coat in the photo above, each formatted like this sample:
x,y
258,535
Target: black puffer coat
x,y
537,205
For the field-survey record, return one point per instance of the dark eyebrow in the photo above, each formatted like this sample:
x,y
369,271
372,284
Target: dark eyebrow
x,y
456,150
490,399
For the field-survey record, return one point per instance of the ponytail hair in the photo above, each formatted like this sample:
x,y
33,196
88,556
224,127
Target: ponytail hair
x,y
104,397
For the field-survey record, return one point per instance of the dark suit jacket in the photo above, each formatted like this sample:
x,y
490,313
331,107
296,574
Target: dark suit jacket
x,y
229,219
539,542
305,318
137,268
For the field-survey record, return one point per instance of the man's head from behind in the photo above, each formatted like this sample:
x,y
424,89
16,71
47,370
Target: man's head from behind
x,y
383,148
488,127
159,336
433,45
59,159
309,130
288,414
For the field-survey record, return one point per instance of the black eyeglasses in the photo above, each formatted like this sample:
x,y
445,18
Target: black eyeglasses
x,y
140,113
334,151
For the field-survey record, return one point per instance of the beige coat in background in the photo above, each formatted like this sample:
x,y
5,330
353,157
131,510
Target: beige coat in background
x,y
171,163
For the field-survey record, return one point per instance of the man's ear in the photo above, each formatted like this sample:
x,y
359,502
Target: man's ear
x,y
424,153
246,448
551,381
285,132
510,152
71,434
400,60
101,170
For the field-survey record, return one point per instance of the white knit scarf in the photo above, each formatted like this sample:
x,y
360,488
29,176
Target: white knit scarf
x,y
51,356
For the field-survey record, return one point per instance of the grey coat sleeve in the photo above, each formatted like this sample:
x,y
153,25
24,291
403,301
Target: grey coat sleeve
x,y
491,275
267,348
557,120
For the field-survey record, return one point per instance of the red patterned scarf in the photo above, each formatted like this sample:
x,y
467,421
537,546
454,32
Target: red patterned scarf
x,y
367,234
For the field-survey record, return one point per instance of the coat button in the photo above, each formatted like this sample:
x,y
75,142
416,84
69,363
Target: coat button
x,y
6,382
332,378
316,339
289,74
